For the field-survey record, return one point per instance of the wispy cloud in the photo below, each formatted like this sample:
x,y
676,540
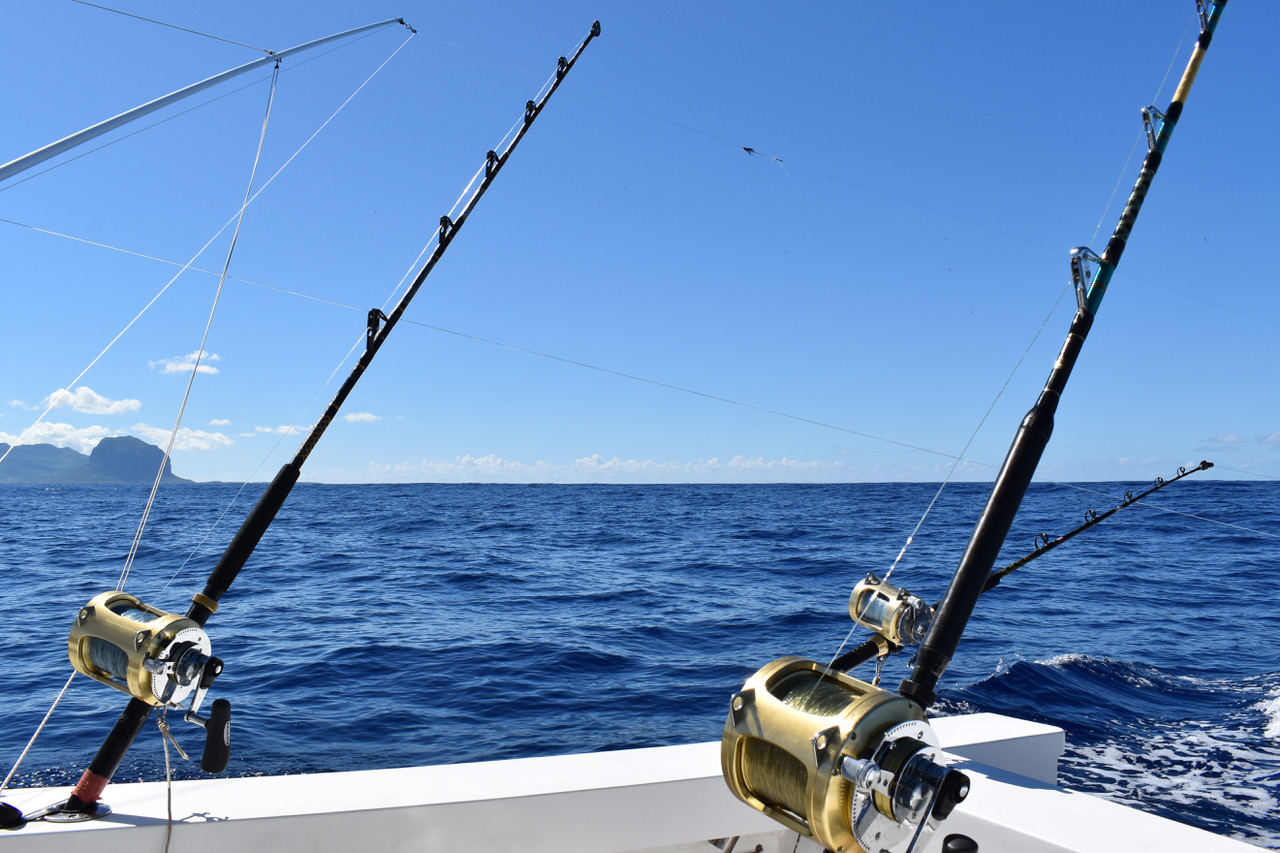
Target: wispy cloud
x,y
361,417
1229,438
184,363
1127,462
89,402
1273,439
219,422
282,430
600,469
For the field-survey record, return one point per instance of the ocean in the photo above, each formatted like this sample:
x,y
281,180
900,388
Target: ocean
x,y
394,625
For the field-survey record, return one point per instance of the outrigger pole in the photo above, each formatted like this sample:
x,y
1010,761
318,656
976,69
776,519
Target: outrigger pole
x,y
205,604
75,140
1024,454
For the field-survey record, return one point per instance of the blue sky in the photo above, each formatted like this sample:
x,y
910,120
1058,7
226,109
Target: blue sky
x,y
846,303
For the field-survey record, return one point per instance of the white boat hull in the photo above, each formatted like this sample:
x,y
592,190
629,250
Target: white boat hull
x,y
662,800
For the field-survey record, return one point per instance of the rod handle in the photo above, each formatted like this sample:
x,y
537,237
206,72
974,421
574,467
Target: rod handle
x,y
217,738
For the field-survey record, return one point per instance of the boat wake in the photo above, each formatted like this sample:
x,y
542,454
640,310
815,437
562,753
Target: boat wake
x,y
1196,749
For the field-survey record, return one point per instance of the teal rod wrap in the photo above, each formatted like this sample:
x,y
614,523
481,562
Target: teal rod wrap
x,y
1119,237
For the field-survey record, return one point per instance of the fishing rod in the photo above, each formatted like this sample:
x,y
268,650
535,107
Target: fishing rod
x,y
161,659
854,766
891,611
1033,434
1047,544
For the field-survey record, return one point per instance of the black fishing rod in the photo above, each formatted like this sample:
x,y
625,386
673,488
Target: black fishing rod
x,y
1047,544
878,646
98,627
1028,445
854,766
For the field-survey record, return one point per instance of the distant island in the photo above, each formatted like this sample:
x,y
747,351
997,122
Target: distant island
x,y
122,460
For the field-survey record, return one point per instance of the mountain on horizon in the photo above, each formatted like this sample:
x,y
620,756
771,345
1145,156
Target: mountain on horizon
x,y
119,460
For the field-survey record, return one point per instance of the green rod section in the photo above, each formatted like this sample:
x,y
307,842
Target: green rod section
x,y
1120,237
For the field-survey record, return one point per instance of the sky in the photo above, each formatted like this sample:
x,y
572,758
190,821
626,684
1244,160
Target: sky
x,y
743,243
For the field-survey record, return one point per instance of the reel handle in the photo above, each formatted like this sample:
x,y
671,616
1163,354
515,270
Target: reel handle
x,y
217,738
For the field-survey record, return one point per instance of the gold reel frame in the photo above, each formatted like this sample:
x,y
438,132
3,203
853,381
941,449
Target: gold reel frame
x,y
139,641
785,761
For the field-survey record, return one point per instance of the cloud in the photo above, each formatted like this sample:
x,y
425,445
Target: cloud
x,y
21,404
361,417
82,439
1228,438
85,439
187,439
89,402
1273,439
599,469
184,363
219,422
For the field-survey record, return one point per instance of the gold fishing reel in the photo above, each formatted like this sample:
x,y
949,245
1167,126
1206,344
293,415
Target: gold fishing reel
x,y
158,657
852,766
895,614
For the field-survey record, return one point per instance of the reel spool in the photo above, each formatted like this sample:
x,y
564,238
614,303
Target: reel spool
x,y
158,657
895,614
852,766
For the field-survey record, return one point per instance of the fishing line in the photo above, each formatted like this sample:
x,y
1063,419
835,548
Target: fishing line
x,y
621,47
972,437
213,309
467,191
1141,133
828,176
1250,473
1150,505
283,433
173,26
947,479
434,240
165,739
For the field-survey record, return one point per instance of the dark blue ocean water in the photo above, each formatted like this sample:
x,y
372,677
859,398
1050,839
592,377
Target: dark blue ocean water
x,y
382,626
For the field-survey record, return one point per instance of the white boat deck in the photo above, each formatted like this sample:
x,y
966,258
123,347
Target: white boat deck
x,y
662,800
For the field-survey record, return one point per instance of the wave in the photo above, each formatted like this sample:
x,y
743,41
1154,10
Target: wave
x,y
1196,748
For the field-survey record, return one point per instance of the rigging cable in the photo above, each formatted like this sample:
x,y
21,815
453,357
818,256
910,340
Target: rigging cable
x,y
52,404
36,733
200,353
52,399
292,67
174,26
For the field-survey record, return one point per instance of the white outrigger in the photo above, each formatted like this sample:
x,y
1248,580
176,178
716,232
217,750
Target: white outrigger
x,y
824,761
